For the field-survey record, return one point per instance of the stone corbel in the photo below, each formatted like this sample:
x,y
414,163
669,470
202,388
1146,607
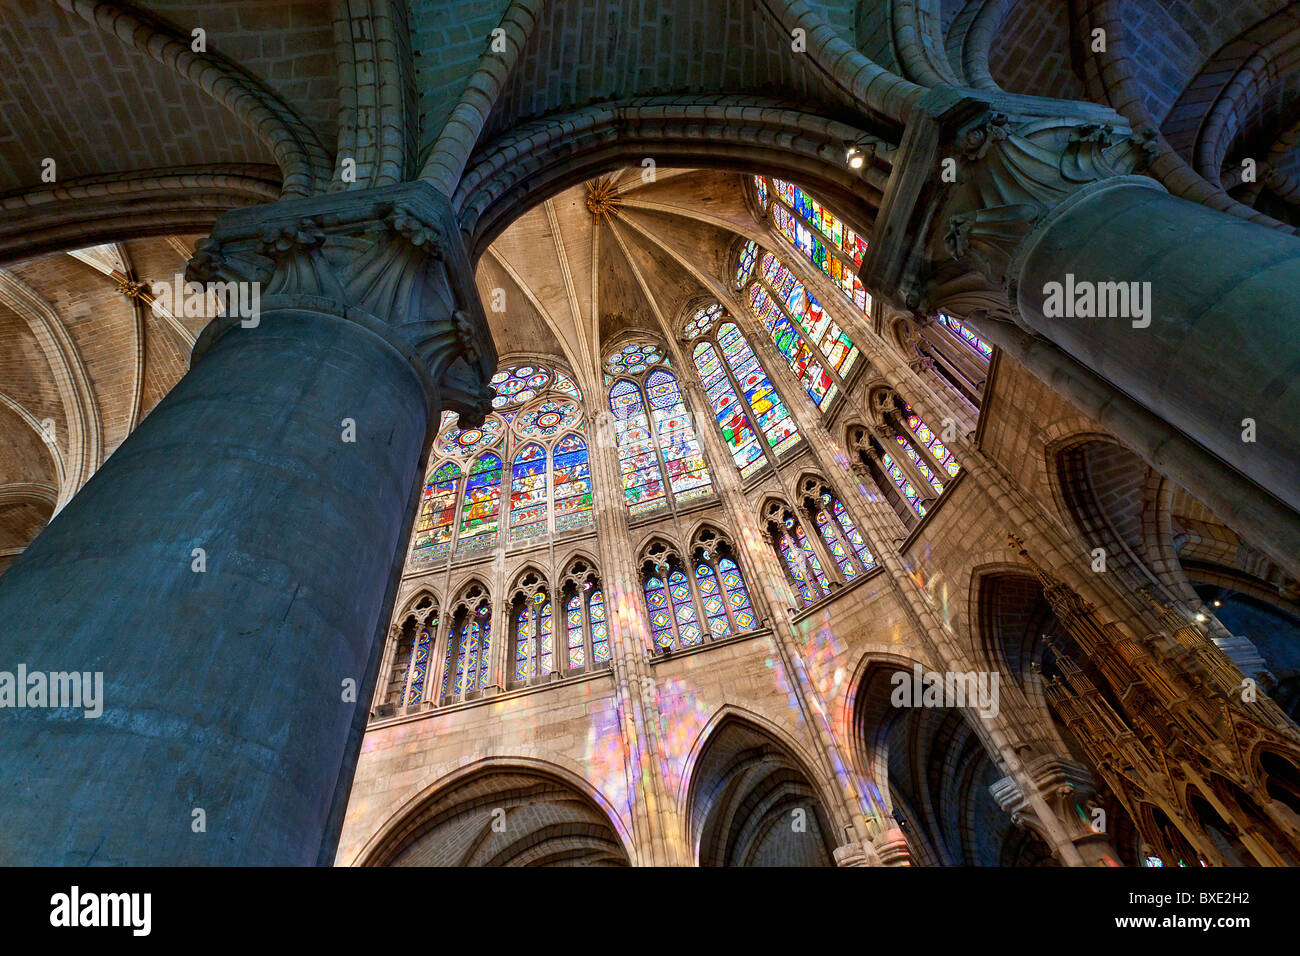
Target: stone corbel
x,y
976,173
1067,788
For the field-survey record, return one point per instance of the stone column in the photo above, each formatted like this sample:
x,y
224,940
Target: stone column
x,y
859,799
1028,207
652,805
232,567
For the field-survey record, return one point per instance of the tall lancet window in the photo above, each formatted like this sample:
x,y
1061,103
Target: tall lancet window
x,y
720,586
754,421
480,514
437,522
586,629
820,235
412,654
803,565
818,351
469,647
838,532
534,636
659,454
528,493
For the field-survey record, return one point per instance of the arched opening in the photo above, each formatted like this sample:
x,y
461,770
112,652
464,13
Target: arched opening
x,y
504,817
939,778
752,804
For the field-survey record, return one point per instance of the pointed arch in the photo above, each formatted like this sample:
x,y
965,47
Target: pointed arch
x,y
750,798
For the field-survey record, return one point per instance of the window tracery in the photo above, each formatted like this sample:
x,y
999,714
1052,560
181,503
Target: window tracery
x,y
658,451
836,527
532,448
467,660
691,600
585,623
753,419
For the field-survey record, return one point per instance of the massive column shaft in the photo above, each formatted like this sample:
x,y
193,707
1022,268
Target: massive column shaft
x,y
231,568
1028,209
1216,342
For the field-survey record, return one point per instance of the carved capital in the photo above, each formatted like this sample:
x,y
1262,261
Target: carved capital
x,y
1015,159
1066,788
388,258
1015,173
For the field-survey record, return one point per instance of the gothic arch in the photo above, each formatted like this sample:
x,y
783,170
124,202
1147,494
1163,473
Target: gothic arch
x,y
937,769
413,601
581,827
505,176
743,784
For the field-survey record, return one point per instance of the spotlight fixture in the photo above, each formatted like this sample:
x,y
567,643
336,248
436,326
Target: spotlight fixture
x,y
1218,604
1200,617
854,156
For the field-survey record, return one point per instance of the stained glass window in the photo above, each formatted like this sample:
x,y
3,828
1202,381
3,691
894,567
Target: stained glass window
x,y
687,474
827,529
633,359
919,463
577,641
810,557
599,627
769,411
736,430
661,615
688,626
469,653
850,530
433,532
793,558
818,383
802,562
517,386
744,401
479,517
580,653
548,418
528,493
748,256
420,661
566,385
572,484
715,609
834,247
703,321
760,183
464,442
657,446
534,639
932,443
533,434
904,484
966,335
831,341
733,585
643,478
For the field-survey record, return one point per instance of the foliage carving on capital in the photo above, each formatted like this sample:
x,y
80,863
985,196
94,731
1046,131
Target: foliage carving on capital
x,y
385,257
1014,173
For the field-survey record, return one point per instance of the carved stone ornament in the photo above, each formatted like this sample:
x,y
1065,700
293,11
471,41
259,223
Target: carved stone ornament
x,y
389,258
